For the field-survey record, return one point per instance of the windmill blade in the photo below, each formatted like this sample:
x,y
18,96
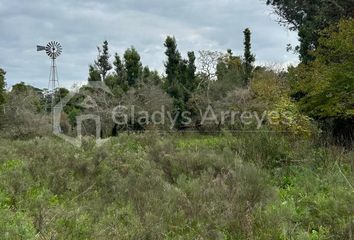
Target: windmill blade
x,y
40,48
53,49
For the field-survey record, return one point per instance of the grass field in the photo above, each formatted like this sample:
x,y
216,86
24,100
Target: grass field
x,y
150,186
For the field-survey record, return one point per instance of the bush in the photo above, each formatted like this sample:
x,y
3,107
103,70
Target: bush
x,y
177,187
15,225
271,93
23,116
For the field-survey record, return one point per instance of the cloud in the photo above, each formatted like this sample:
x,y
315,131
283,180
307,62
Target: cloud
x,y
82,25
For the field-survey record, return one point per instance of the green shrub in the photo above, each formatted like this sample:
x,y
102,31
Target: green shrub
x,y
247,186
15,226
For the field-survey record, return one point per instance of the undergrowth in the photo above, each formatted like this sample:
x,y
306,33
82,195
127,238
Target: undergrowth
x,y
150,186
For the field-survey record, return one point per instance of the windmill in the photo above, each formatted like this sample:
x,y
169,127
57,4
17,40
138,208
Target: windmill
x,y
53,50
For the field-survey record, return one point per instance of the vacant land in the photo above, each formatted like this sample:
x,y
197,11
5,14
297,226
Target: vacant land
x,y
152,186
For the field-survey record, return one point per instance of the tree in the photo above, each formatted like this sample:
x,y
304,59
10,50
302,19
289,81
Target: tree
x,y
2,86
102,66
181,79
117,81
119,69
208,62
151,77
103,60
94,74
309,18
146,72
133,66
229,71
60,94
23,113
172,66
187,77
146,97
173,79
230,75
325,87
191,84
249,58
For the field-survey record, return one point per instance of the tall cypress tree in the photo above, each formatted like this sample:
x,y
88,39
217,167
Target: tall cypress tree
x,y
191,83
249,58
181,78
133,66
172,66
2,86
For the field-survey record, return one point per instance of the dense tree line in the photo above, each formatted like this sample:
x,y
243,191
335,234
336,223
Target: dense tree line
x,y
182,81
321,87
322,84
309,18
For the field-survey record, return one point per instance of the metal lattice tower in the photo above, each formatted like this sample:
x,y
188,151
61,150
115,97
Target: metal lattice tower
x,y
53,50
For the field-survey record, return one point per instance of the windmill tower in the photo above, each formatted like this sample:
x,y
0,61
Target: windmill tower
x,y
53,50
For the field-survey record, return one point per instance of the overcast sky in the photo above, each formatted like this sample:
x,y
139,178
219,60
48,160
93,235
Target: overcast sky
x,y
80,26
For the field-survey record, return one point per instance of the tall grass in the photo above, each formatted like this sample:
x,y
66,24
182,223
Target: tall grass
x,y
150,186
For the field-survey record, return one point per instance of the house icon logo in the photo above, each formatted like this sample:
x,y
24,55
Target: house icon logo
x,y
87,104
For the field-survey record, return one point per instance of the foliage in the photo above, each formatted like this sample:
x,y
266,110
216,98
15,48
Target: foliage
x,y
249,58
23,114
230,72
133,66
102,62
119,78
118,66
2,86
258,186
286,117
314,203
280,183
99,70
94,74
271,93
325,88
309,18
149,99
172,64
15,226
327,85
128,71
181,78
220,79
268,87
